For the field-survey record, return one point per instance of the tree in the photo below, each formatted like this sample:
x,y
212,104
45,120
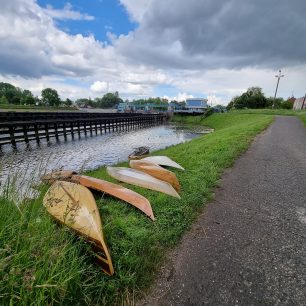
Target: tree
x,y
13,94
27,98
68,102
252,98
109,100
50,97
3,100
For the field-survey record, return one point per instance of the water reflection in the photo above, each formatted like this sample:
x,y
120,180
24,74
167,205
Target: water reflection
x,y
23,166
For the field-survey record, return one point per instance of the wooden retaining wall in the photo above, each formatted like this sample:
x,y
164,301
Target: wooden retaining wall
x,y
24,127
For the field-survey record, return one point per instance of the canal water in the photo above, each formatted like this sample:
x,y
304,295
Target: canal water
x,y
21,168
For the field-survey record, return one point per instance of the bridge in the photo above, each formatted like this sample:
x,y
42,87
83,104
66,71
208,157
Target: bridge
x,y
26,126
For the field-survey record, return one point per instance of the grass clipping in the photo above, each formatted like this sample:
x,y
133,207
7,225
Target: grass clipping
x,y
43,263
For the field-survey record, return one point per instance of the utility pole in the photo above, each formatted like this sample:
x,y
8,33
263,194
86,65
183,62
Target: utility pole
x,y
280,75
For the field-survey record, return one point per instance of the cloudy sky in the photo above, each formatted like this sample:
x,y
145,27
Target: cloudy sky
x,y
145,48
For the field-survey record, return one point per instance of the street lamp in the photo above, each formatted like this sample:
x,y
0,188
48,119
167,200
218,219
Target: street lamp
x,y
280,75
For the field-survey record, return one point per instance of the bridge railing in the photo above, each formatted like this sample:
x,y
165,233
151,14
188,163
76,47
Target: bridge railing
x,y
32,126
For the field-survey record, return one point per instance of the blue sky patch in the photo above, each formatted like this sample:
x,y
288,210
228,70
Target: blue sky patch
x,y
109,16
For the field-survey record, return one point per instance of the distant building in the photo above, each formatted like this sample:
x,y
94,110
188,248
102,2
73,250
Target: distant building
x,y
123,107
196,104
173,106
299,104
141,108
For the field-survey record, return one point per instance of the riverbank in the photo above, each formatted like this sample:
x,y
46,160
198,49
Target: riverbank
x,y
43,263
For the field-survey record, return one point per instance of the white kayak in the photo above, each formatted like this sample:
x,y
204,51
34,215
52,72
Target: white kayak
x,y
139,178
163,161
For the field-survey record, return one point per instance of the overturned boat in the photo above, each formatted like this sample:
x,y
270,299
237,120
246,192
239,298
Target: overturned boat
x,y
112,189
163,161
117,191
139,153
75,206
139,178
156,171
57,175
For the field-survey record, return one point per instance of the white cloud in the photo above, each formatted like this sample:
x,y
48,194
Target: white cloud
x,y
197,48
136,8
67,13
99,87
181,96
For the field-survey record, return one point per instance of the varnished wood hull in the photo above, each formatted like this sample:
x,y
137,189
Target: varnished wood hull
x,y
75,206
117,191
57,175
139,178
156,171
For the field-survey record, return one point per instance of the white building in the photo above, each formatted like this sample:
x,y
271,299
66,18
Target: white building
x,y
196,104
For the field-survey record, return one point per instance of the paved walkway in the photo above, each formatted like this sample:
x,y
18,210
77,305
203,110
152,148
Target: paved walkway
x,y
249,245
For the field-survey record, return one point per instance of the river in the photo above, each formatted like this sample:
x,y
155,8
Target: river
x,y
21,168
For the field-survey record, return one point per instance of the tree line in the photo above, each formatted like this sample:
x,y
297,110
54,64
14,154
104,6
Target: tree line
x,y
254,98
10,94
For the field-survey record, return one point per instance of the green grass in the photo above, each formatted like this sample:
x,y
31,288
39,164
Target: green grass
x,y
43,263
302,116
266,111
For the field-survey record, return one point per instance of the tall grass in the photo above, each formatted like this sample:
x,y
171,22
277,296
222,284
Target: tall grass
x,y
43,263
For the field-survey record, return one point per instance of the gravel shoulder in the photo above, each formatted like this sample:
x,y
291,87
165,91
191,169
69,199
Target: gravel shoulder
x,y
248,247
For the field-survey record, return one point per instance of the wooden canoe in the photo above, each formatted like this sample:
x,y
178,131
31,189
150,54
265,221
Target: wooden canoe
x,y
57,175
139,178
139,153
75,206
117,191
156,171
163,161
112,189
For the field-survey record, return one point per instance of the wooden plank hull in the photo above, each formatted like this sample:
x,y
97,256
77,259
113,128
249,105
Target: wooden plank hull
x,y
163,161
57,175
117,191
75,206
139,178
156,171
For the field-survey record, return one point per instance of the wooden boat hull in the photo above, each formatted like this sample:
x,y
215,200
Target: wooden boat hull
x,y
139,153
117,191
75,206
57,175
139,178
163,161
156,171
137,157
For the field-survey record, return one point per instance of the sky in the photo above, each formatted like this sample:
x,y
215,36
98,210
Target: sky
x,y
146,48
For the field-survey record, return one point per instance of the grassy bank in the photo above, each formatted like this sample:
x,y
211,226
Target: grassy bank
x,y
282,112
302,116
43,263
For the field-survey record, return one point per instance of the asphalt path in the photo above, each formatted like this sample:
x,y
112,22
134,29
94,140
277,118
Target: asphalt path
x,y
248,247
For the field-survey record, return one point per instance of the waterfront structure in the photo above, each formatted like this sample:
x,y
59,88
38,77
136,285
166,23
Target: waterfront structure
x,y
173,106
195,106
141,108
26,126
